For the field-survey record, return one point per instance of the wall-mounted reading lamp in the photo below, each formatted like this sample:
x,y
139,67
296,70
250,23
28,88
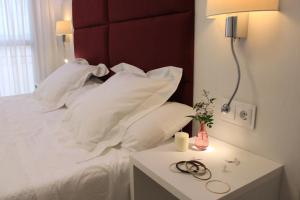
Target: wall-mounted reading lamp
x,y
237,25
64,28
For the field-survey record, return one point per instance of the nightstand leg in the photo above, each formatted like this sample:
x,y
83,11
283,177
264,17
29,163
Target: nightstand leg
x,y
131,181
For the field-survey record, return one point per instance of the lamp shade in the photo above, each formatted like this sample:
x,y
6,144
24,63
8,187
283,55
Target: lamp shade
x,y
63,27
219,7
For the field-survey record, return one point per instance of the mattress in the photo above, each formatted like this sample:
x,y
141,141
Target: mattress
x,y
34,165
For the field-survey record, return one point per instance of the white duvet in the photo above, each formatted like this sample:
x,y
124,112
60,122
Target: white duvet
x,y
34,166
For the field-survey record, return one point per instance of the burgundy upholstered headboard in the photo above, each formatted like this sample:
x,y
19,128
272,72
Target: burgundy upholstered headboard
x,y
146,33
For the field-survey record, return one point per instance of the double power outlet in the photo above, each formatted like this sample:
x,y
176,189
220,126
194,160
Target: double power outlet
x,y
240,114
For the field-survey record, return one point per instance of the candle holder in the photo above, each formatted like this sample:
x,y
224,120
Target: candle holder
x,y
182,141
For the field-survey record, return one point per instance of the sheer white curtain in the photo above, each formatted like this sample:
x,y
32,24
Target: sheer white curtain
x,y
29,50
47,48
16,63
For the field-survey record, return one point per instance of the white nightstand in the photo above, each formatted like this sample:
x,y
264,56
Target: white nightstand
x,y
256,178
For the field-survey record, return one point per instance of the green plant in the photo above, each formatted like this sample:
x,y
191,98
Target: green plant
x,y
204,110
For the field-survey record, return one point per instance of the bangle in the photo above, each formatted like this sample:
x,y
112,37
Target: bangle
x,y
196,168
217,181
173,168
202,168
199,176
187,171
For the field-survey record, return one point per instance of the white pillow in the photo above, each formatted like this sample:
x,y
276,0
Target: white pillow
x,y
55,89
107,111
157,126
89,85
124,67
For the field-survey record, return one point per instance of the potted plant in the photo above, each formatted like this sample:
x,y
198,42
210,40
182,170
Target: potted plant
x,y
204,115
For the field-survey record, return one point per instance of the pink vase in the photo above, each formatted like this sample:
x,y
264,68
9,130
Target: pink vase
x,y
201,142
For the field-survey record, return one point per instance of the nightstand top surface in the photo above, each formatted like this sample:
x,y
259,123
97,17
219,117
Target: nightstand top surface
x,y
252,170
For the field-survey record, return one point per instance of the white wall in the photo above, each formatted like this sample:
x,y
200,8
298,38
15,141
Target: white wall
x,y
270,59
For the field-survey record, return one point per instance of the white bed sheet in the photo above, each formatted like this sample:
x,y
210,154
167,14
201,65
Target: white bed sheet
x,y
34,166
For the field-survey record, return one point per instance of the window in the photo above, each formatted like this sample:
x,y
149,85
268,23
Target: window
x,y
16,60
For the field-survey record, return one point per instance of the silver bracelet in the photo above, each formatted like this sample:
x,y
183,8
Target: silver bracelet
x,y
217,181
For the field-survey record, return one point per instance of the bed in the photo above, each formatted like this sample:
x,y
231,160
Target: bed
x,y
149,34
35,166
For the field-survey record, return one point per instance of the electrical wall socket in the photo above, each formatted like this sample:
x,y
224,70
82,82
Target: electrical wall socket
x,y
240,114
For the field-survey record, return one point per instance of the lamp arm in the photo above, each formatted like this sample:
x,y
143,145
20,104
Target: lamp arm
x,y
226,107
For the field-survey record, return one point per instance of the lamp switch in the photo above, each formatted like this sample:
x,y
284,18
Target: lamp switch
x,y
240,114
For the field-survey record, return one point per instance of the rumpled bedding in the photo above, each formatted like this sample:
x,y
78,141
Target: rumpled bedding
x,y
35,166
